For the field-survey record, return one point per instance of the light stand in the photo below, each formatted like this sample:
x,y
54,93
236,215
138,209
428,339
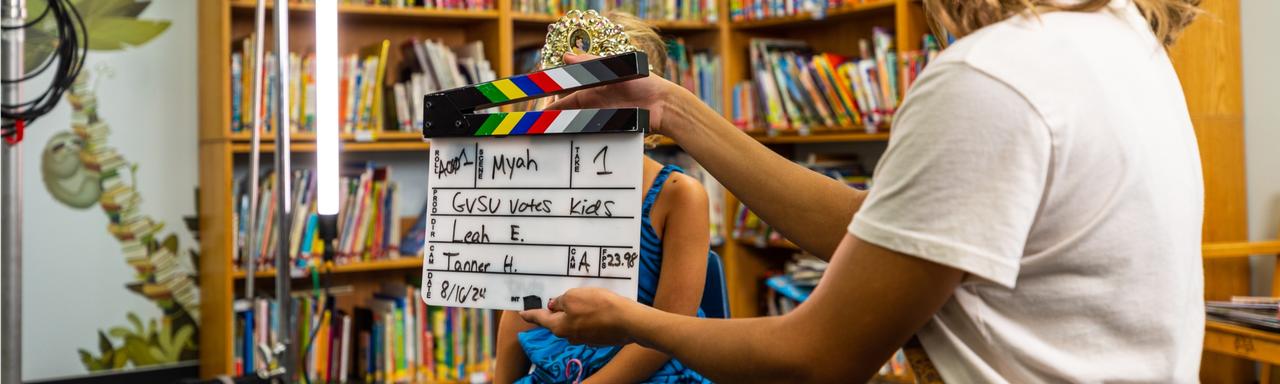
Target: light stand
x,y
15,15
284,196
284,352
255,151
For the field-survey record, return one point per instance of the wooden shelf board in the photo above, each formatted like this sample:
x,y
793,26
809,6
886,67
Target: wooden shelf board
x,y
378,146
384,11
1240,249
533,18
541,20
1241,341
305,142
368,266
309,136
803,18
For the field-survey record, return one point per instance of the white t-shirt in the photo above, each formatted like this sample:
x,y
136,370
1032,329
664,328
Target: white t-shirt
x,y
1054,162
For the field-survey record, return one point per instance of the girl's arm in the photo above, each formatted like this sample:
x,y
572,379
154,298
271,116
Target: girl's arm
x,y
685,243
512,363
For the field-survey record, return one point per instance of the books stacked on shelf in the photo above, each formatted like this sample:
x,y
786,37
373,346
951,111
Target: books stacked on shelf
x,y
787,289
360,89
1249,311
796,89
715,192
793,286
368,228
699,72
749,228
431,66
740,10
390,336
427,4
690,10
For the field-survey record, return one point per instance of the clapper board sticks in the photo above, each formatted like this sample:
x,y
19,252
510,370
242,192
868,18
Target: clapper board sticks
x,y
451,113
527,205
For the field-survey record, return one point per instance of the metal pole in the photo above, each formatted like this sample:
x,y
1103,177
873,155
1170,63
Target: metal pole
x,y
15,14
283,178
250,246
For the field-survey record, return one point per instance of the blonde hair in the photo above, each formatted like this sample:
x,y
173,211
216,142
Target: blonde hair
x,y
960,17
644,37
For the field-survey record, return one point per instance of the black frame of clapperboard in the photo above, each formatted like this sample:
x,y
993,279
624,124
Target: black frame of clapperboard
x,y
451,113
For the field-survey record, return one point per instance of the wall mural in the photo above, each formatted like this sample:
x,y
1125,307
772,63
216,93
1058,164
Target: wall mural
x,y
80,169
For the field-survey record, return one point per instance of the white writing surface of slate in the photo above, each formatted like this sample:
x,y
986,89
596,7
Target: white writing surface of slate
x,y
517,216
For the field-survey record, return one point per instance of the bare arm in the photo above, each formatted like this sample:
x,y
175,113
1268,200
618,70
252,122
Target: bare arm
x,y
512,363
870,301
685,243
810,209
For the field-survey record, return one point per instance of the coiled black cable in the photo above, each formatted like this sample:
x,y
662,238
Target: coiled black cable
x,y
71,44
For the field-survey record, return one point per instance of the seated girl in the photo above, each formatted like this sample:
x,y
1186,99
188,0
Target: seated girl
x,y
674,245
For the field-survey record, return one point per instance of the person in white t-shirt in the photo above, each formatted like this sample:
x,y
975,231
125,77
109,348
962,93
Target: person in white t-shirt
x,y
1035,218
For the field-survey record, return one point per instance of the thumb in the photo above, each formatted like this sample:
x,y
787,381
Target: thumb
x,y
574,58
541,317
571,101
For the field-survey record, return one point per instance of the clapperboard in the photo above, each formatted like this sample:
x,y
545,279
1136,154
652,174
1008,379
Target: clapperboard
x,y
526,205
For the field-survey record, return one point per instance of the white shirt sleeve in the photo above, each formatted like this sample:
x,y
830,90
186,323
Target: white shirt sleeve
x,y
963,175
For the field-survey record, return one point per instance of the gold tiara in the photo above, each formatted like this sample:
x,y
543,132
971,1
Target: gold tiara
x,y
583,32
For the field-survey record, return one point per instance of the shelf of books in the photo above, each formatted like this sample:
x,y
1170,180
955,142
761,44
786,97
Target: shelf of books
x,y
693,14
452,11
767,14
543,19
361,321
829,72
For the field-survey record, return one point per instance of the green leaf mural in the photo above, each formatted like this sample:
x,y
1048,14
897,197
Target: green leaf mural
x,y
80,169
111,25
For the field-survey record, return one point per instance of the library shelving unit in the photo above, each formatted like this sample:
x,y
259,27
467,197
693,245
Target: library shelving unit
x,y
223,22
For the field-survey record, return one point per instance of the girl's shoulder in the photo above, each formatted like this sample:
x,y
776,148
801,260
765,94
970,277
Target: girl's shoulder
x,y
680,190
679,183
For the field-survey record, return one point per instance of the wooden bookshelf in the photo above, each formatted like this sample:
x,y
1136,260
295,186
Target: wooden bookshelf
x,y
221,24
403,263
837,31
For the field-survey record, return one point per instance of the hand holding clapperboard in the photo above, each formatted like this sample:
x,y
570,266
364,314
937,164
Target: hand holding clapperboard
x,y
526,205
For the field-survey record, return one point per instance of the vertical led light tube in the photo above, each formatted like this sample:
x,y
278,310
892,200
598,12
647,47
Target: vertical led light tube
x,y
326,107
